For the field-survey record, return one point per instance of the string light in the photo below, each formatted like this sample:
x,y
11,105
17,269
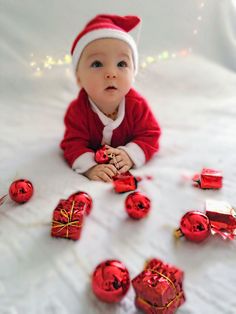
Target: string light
x,y
167,55
50,62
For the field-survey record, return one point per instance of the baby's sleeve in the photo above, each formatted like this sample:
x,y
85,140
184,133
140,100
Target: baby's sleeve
x,y
76,140
146,133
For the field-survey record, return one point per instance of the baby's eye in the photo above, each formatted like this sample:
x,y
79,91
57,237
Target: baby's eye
x,y
96,64
122,64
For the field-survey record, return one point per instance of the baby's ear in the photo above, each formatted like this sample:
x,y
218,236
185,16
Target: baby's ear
x,y
78,79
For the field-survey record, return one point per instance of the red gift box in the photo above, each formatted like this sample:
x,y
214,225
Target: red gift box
x,y
222,218
124,182
209,179
159,288
67,220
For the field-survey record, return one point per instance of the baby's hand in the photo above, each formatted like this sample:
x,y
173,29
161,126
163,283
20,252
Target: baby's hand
x,y
120,159
103,172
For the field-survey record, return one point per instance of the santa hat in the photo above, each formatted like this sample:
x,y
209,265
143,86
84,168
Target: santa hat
x,y
106,26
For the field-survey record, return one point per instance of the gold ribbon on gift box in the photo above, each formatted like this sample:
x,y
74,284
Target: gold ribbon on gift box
x,y
63,212
177,295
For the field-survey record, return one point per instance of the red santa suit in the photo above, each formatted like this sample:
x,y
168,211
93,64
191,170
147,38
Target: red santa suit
x,y
135,130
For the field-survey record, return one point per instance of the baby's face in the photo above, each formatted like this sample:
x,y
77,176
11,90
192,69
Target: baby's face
x,y
106,71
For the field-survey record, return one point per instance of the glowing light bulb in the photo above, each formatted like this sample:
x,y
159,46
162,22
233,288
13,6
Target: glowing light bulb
x,y
165,55
150,59
143,65
67,59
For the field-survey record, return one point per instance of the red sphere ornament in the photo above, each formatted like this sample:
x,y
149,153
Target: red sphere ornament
x,y
84,199
195,226
110,281
21,191
137,205
101,156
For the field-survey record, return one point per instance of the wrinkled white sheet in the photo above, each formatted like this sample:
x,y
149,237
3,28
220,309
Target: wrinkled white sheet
x,y
193,98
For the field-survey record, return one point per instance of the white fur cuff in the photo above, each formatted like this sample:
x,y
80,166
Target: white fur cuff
x,y
84,162
136,153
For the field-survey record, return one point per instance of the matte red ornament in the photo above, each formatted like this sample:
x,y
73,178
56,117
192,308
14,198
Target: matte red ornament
x,y
84,200
209,179
159,288
110,281
137,205
101,156
222,218
67,220
124,182
21,191
195,226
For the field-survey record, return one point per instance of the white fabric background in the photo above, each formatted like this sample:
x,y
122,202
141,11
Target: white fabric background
x,y
193,98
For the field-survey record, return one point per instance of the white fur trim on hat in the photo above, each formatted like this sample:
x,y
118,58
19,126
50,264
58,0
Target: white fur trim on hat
x,y
104,33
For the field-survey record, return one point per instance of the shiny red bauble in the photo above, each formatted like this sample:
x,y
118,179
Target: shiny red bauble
x,y
195,226
137,205
84,199
21,190
110,281
101,156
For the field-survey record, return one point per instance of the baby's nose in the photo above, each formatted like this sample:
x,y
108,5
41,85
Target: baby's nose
x,y
110,74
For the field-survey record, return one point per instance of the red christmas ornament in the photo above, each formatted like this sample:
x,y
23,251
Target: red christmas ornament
x,y
222,218
208,179
101,156
195,226
137,205
21,190
84,200
124,182
110,281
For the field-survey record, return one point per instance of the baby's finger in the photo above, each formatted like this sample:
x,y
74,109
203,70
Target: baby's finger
x,y
112,150
105,177
109,172
115,160
124,169
120,164
113,169
96,178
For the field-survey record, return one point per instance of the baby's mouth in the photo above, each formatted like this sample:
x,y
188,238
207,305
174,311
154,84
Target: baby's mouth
x,y
111,87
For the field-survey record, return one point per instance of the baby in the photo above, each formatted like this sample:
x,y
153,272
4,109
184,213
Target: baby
x,y
108,111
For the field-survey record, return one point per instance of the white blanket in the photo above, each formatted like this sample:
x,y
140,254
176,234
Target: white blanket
x,y
194,100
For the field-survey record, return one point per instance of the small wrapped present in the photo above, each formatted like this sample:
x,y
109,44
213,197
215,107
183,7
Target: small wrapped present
x,y
159,288
222,218
124,182
67,220
209,179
